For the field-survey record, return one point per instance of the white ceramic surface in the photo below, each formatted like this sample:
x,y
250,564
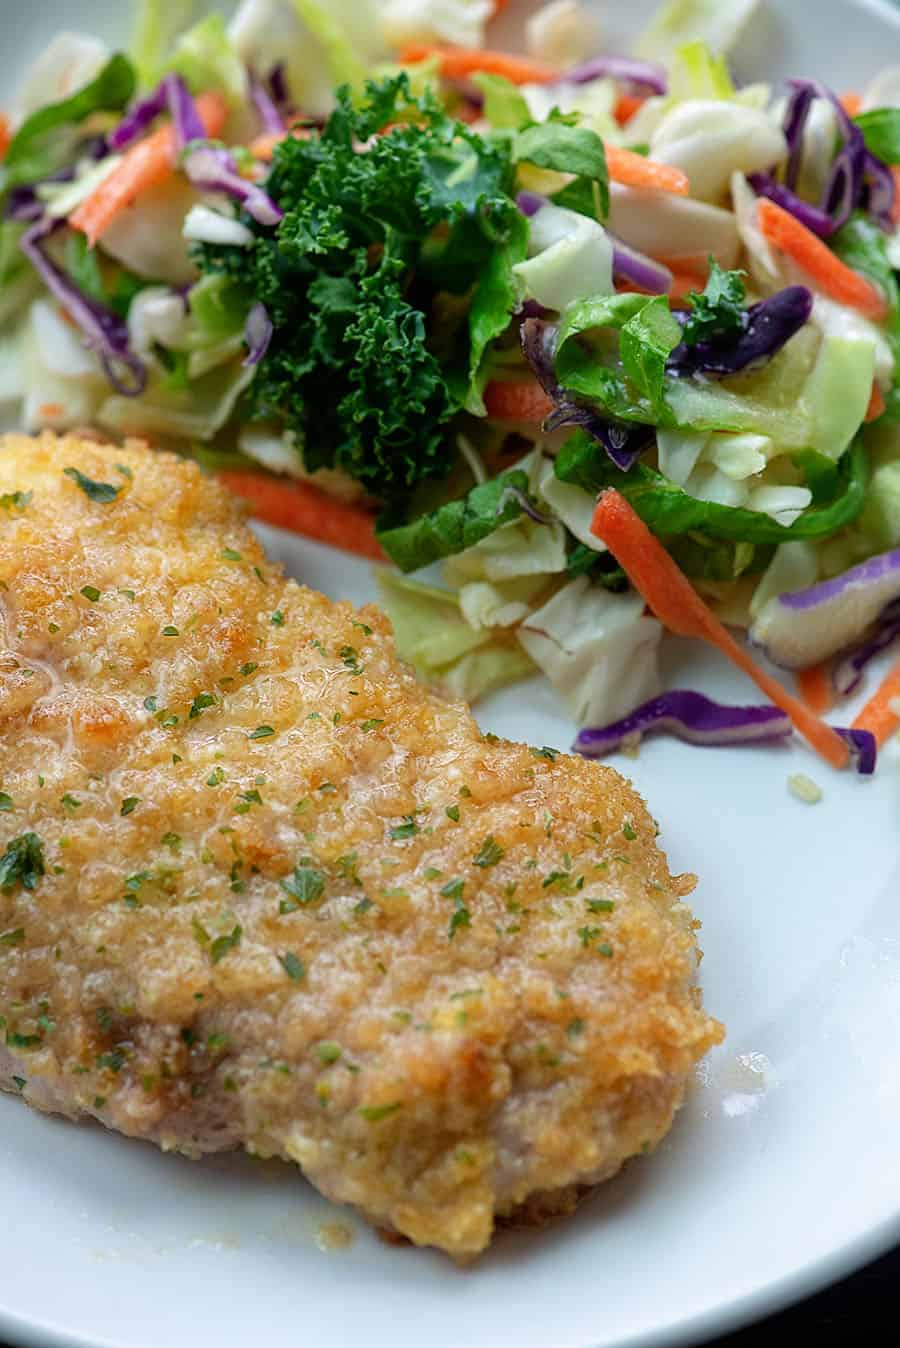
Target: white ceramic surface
x,y
781,1172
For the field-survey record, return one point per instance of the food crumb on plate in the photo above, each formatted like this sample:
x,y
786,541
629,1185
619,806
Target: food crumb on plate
x,y
333,1236
804,788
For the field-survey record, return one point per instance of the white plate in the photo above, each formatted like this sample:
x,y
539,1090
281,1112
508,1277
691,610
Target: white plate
x,y
771,1183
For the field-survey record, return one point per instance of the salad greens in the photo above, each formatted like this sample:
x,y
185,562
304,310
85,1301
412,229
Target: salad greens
x,y
465,302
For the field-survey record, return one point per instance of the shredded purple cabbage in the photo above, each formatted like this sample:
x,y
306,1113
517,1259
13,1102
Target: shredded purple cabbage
x,y
638,269
689,716
171,93
883,568
270,118
525,504
768,327
623,441
104,332
857,177
643,74
215,170
529,203
257,333
863,749
848,672
819,221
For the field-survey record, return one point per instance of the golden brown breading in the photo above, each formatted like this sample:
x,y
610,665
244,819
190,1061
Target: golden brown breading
x,y
293,901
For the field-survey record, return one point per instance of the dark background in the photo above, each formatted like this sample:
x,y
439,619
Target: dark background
x,y
860,1309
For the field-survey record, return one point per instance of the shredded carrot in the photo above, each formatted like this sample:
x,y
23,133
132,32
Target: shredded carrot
x,y
676,603
147,164
517,400
633,170
626,107
851,102
51,410
815,688
5,135
304,509
878,715
876,406
458,63
499,7
786,233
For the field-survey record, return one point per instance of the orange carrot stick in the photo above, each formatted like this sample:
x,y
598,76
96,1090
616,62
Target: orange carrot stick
x,y
676,603
150,162
633,170
517,400
815,688
877,715
876,406
264,147
626,107
838,280
458,63
304,509
851,102
5,135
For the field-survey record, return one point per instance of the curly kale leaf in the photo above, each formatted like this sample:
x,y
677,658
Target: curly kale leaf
x,y
376,224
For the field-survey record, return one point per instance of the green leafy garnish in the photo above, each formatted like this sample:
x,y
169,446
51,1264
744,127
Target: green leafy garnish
x,y
669,511
352,368
101,492
22,862
720,310
881,132
306,885
489,853
292,965
221,946
456,526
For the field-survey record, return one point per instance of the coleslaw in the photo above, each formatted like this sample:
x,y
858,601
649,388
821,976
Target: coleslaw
x,y
429,301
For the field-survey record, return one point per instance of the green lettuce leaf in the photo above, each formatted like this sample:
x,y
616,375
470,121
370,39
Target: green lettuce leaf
x,y
669,511
456,526
881,132
205,57
158,24
505,106
863,246
566,149
35,149
493,303
344,65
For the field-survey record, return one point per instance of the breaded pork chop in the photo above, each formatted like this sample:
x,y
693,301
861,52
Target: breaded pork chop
x,y
260,888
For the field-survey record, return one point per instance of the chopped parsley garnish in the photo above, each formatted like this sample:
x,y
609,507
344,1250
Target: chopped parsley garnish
x,y
172,841
90,592
170,631
363,627
605,950
350,659
292,965
150,704
453,889
719,311
374,1113
629,833
22,863
452,812
408,829
588,934
111,1062
461,918
200,704
262,732
346,866
248,669
15,500
229,555
372,724
129,805
575,1028
216,777
328,1052
221,946
599,905
70,803
15,937
551,755
101,492
306,885
6,803
489,853
277,619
